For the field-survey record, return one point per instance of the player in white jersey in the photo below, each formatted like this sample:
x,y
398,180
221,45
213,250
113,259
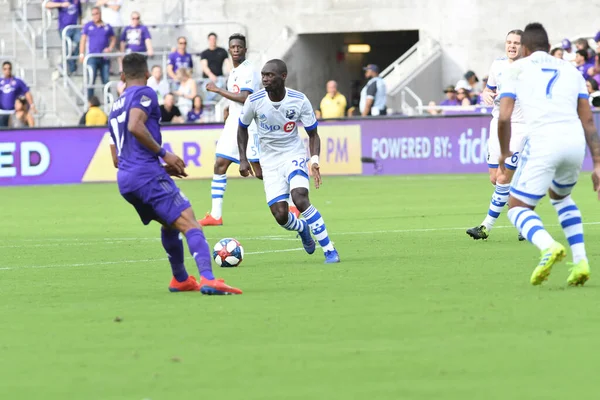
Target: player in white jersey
x,y
501,179
243,81
554,101
277,111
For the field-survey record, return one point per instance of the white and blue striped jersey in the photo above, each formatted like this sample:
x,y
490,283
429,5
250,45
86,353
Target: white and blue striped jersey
x,y
548,89
277,124
495,80
242,78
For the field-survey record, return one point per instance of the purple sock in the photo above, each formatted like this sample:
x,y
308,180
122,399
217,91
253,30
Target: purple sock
x,y
174,248
200,251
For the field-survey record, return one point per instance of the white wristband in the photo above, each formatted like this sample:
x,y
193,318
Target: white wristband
x,y
314,159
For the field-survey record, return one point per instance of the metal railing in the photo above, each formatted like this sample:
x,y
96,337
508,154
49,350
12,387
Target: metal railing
x,y
23,29
446,110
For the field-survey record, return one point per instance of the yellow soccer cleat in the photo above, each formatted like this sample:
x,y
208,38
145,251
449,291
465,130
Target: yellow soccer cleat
x,y
580,273
550,256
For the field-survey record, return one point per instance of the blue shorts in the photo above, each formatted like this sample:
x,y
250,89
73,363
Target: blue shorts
x,y
158,200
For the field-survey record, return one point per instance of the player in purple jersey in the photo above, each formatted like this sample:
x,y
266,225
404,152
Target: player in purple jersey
x,y
147,184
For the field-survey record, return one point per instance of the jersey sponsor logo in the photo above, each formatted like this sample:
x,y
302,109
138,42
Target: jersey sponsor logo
x,y
289,114
236,89
289,127
269,128
145,101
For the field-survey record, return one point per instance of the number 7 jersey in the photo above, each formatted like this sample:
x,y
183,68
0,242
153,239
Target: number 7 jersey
x,y
548,89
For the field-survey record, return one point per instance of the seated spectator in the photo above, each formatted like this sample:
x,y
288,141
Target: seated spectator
x,y
187,90
450,99
568,53
169,111
21,117
158,84
470,82
463,96
593,91
212,59
195,114
101,40
180,58
94,116
582,44
11,88
557,52
333,105
136,37
581,61
69,13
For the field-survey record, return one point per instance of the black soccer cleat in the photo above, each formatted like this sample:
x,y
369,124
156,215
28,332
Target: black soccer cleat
x,y
478,232
521,237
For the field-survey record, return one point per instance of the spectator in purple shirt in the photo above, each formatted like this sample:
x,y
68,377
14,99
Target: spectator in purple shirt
x,y
180,58
195,114
101,40
581,61
450,99
136,38
69,13
12,88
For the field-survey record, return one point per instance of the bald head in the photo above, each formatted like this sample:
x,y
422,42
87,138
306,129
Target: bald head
x,y
332,88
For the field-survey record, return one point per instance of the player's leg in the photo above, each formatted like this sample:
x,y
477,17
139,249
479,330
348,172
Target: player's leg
x,y
569,216
529,186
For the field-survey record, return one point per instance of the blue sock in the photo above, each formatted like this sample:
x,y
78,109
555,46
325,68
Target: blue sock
x,y
293,223
570,220
318,228
499,200
174,248
200,252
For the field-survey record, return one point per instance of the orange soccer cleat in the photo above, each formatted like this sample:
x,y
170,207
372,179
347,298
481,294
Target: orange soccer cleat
x,y
217,287
209,220
295,211
189,285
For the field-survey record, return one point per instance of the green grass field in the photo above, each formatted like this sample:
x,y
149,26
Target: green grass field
x,y
416,309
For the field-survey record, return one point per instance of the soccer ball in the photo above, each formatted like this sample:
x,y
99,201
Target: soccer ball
x,y
228,253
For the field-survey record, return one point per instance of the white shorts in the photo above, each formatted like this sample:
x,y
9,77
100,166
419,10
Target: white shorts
x,y
227,146
551,162
288,175
517,141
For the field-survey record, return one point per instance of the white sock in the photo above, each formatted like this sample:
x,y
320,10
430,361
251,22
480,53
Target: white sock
x,y
293,223
569,217
317,227
499,199
219,183
531,227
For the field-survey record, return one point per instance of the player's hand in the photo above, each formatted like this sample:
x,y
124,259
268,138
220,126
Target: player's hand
x,y
211,87
245,169
316,173
175,163
173,172
596,180
502,161
488,97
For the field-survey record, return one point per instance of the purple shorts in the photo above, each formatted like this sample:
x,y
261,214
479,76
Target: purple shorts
x,y
158,200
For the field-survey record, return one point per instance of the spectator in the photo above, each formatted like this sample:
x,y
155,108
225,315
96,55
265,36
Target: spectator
x,y
451,99
582,44
470,83
69,13
11,88
581,61
213,59
169,111
186,92
94,116
195,114
480,100
334,104
558,53
463,96
136,38
158,84
180,58
568,54
373,94
593,91
111,13
21,117
101,40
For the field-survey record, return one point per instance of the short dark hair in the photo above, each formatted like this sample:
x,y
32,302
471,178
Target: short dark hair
x,y
535,37
582,42
554,50
582,53
515,32
238,36
155,66
7,63
135,66
94,101
212,34
593,83
279,64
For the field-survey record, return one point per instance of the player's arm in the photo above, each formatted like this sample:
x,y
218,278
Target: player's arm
x,y
113,153
507,104
309,120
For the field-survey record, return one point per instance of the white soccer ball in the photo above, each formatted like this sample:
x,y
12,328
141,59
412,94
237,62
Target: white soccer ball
x,y
228,253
